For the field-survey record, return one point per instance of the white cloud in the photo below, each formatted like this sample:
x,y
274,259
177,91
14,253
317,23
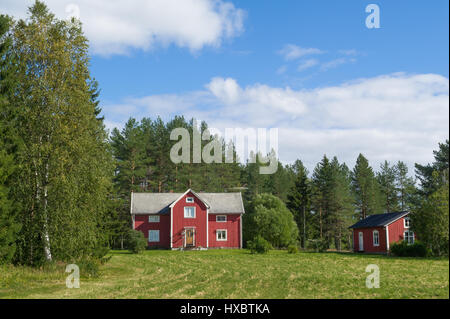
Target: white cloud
x,y
307,64
116,27
292,52
393,117
335,63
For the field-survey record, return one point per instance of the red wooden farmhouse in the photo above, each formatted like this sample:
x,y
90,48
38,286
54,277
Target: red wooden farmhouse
x,y
189,220
375,233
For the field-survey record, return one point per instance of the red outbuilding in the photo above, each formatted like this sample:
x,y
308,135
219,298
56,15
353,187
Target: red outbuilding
x,y
189,220
375,233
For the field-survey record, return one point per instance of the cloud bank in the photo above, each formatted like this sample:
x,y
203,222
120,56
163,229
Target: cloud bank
x,y
117,27
393,117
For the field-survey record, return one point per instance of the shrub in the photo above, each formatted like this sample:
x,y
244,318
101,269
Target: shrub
x,y
259,245
292,249
89,267
403,249
136,241
318,245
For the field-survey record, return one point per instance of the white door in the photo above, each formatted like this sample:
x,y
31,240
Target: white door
x,y
361,241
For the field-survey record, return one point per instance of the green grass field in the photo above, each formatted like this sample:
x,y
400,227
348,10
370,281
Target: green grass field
x,y
236,274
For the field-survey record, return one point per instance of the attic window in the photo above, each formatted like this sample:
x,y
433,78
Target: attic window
x,y
189,199
407,221
153,219
221,218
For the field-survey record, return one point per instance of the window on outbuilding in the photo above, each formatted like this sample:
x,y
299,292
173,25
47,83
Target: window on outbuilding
x,y
189,199
376,238
408,236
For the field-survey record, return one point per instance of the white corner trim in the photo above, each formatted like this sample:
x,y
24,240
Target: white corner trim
x,y
207,227
171,228
387,238
240,224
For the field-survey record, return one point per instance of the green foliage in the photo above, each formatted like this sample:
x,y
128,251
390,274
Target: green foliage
x,y
292,249
89,267
403,249
387,180
318,245
57,141
259,245
431,220
299,202
365,188
269,218
136,242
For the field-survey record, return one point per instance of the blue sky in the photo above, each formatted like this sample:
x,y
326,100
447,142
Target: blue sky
x,y
312,69
413,38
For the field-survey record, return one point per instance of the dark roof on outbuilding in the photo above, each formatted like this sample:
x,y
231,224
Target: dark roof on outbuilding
x,y
379,220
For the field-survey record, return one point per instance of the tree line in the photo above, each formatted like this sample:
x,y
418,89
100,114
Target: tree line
x,y
65,182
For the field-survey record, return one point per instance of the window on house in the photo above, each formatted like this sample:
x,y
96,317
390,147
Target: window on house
x,y
189,199
153,236
221,235
407,222
189,212
376,238
153,219
408,236
221,218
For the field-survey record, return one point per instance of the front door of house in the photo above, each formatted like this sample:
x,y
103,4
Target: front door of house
x,y
361,241
189,237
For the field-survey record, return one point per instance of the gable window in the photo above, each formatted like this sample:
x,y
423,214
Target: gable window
x,y
153,219
376,238
189,212
221,235
408,236
189,199
221,218
153,236
407,222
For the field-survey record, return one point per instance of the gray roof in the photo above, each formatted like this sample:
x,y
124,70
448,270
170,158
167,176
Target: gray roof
x,y
158,203
379,220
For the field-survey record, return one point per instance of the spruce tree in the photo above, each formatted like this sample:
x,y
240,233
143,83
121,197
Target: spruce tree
x,y
387,180
298,201
365,188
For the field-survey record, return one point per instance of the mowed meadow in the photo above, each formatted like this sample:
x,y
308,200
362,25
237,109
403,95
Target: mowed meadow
x,y
236,274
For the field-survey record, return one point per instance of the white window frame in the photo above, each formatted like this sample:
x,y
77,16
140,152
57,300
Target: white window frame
x,y
219,231
411,235
153,219
153,240
404,222
189,199
376,243
193,207
221,221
